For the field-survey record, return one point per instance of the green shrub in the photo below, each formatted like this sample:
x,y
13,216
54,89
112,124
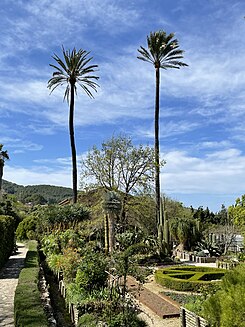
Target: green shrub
x,y
189,278
129,319
91,273
87,320
226,307
7,239
26,228
28,309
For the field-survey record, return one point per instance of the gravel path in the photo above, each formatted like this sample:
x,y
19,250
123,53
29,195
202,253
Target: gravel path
x,y
8,282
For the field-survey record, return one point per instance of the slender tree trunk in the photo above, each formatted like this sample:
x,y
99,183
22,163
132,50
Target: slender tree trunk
x,y
157,152
106,226
73,146
122,216
111,232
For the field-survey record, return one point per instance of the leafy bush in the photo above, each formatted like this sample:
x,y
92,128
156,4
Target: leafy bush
x,y
241,257
130,319
60,218
26,228
87,320
91,273
28,309
184,278
7,239
7,209
226,307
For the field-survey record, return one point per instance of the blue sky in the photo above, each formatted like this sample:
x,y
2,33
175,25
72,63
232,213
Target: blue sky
x,y
202,106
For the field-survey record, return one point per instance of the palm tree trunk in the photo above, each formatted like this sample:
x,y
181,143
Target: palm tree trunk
x,y
157,152
73,147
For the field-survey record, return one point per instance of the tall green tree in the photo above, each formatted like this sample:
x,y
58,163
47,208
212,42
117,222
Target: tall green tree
x,y
3,157
120,166
163,52
73,70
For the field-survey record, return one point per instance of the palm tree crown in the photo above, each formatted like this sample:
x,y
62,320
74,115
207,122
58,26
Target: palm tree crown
x,y
163,51
74,69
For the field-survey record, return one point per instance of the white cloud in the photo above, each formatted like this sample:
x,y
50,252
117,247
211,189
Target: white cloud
x,y
20,145
55,161
220,172
214,144
40,25
36,176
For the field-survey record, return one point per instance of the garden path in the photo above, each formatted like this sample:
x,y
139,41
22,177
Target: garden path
x,y
8,281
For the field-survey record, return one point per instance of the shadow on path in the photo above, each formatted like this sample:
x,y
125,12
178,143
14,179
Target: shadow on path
x,y
12,268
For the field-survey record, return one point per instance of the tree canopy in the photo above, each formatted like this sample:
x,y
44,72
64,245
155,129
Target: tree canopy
x,y
119,165
237,212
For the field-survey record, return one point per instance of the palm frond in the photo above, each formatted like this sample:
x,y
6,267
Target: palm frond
x,y
163,50
73,68
67,93
145,55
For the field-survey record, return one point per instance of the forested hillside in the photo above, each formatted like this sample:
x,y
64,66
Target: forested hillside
x,y
37,194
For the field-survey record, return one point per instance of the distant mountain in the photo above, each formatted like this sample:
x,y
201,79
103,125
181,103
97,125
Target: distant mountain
x,y
37,194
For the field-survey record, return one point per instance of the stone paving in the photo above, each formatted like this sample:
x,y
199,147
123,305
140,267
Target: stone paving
x,y
8,282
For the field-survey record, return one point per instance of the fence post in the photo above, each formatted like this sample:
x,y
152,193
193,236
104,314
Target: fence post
x,y
198,322
183,322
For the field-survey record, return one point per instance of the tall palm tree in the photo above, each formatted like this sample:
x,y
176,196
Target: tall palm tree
x,y
3,156
163,52
73,70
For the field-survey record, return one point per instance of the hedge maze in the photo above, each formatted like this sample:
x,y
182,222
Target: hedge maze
x,y
189,278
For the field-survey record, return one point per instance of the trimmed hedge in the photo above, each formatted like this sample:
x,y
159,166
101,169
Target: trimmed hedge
x,y
28,309
189,278
7,239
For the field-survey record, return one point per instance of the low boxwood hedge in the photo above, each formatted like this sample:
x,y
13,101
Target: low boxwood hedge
x,y
189,278
28,309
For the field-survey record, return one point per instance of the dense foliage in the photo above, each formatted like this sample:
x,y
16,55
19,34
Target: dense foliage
x,y
37,194
9,219
45,219
7,239
237,212
92,279
226,307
